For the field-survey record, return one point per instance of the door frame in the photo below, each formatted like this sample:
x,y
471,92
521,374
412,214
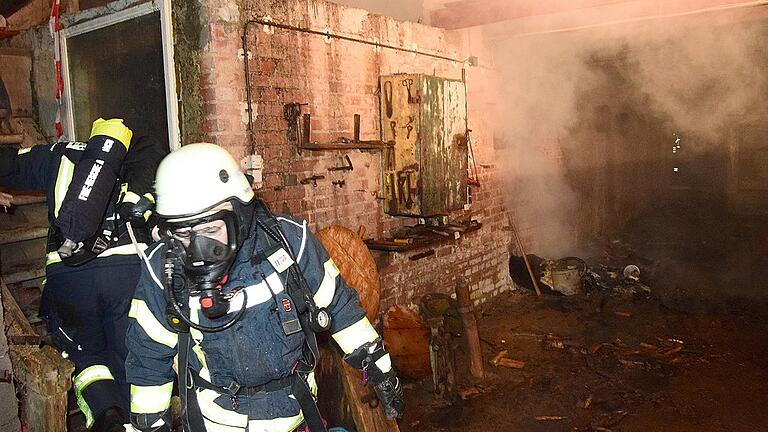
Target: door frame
x,y
166,27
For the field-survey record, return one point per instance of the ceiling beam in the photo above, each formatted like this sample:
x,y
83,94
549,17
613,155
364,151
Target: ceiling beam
x,y
470,13
9,7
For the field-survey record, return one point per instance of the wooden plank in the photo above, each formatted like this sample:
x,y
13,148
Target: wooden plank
x,y
25,275
351,145
21,234
27,199
11,139
16,322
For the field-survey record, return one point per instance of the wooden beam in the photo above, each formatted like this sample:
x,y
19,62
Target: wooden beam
x,y
516,17
470,13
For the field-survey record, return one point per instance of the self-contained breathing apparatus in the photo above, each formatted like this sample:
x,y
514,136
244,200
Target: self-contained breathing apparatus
x,y
199,270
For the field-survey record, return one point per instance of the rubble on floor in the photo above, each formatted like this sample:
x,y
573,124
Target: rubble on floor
x,y
602,362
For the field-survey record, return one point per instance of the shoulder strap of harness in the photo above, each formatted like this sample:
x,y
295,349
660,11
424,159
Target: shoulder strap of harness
x,y
299,292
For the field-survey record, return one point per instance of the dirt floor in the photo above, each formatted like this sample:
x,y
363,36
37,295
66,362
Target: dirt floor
x,y
606,363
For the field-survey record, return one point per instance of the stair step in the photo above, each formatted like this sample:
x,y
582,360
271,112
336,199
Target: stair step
x,y
21,234
27,199
25,274
11,139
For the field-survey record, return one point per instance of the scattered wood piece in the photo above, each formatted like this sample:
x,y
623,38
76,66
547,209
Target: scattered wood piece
x,y
631,363
550,418
500,359
586,403
501,354
623,314
648,346
513,364
598,346
672,351
5,199
468,392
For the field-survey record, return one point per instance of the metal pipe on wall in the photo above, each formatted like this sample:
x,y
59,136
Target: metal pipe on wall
x,y
327,34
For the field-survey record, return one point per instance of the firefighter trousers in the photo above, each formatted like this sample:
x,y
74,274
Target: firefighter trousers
x,y
86,313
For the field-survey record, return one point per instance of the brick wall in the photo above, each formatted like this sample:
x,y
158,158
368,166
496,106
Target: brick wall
x,y
338,79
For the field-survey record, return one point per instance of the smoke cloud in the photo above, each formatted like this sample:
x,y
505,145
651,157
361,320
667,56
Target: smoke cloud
x,y
564,96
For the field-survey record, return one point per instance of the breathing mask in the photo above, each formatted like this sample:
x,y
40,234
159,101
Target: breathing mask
x,y
203,250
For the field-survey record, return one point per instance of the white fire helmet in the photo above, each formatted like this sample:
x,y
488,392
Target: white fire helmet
x,y
197,179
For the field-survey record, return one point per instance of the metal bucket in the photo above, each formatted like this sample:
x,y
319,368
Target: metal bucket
x,y
567,274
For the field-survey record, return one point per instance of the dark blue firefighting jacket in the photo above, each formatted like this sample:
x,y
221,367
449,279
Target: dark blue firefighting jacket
x,y
49,168
252,352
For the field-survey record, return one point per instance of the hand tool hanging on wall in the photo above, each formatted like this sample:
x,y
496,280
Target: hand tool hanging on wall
x,y
407,83
291,113
346,167
393,126
409,127
312,180
388,98
472,178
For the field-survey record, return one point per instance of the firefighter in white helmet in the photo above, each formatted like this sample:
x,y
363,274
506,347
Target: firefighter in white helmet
x,y
239,294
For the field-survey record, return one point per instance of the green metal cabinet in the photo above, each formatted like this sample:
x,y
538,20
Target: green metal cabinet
x,y
425,172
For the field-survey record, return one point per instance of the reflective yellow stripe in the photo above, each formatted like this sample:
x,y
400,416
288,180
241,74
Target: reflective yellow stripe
x,y
128,249
324,294
24,150
355,335
150,197
85,378
151,325
131,197
63,178
150,399
113,128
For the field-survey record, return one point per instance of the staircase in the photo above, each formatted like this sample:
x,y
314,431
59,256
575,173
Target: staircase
x,y
23,232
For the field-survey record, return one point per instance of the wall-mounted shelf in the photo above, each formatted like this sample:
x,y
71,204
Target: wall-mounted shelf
x,y
424,236
342,143
347,145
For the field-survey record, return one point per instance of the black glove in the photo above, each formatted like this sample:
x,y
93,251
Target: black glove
x,y
386,384
134,212
157,422
390,395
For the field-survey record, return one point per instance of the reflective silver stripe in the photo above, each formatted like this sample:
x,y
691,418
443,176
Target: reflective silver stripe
x,y
257,294
280,424
355,335
214,412
150,399
303,227
151,325
324,294
63,179
85,378
127,249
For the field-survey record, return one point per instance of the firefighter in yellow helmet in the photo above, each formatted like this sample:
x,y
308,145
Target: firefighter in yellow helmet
x,y
92,268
